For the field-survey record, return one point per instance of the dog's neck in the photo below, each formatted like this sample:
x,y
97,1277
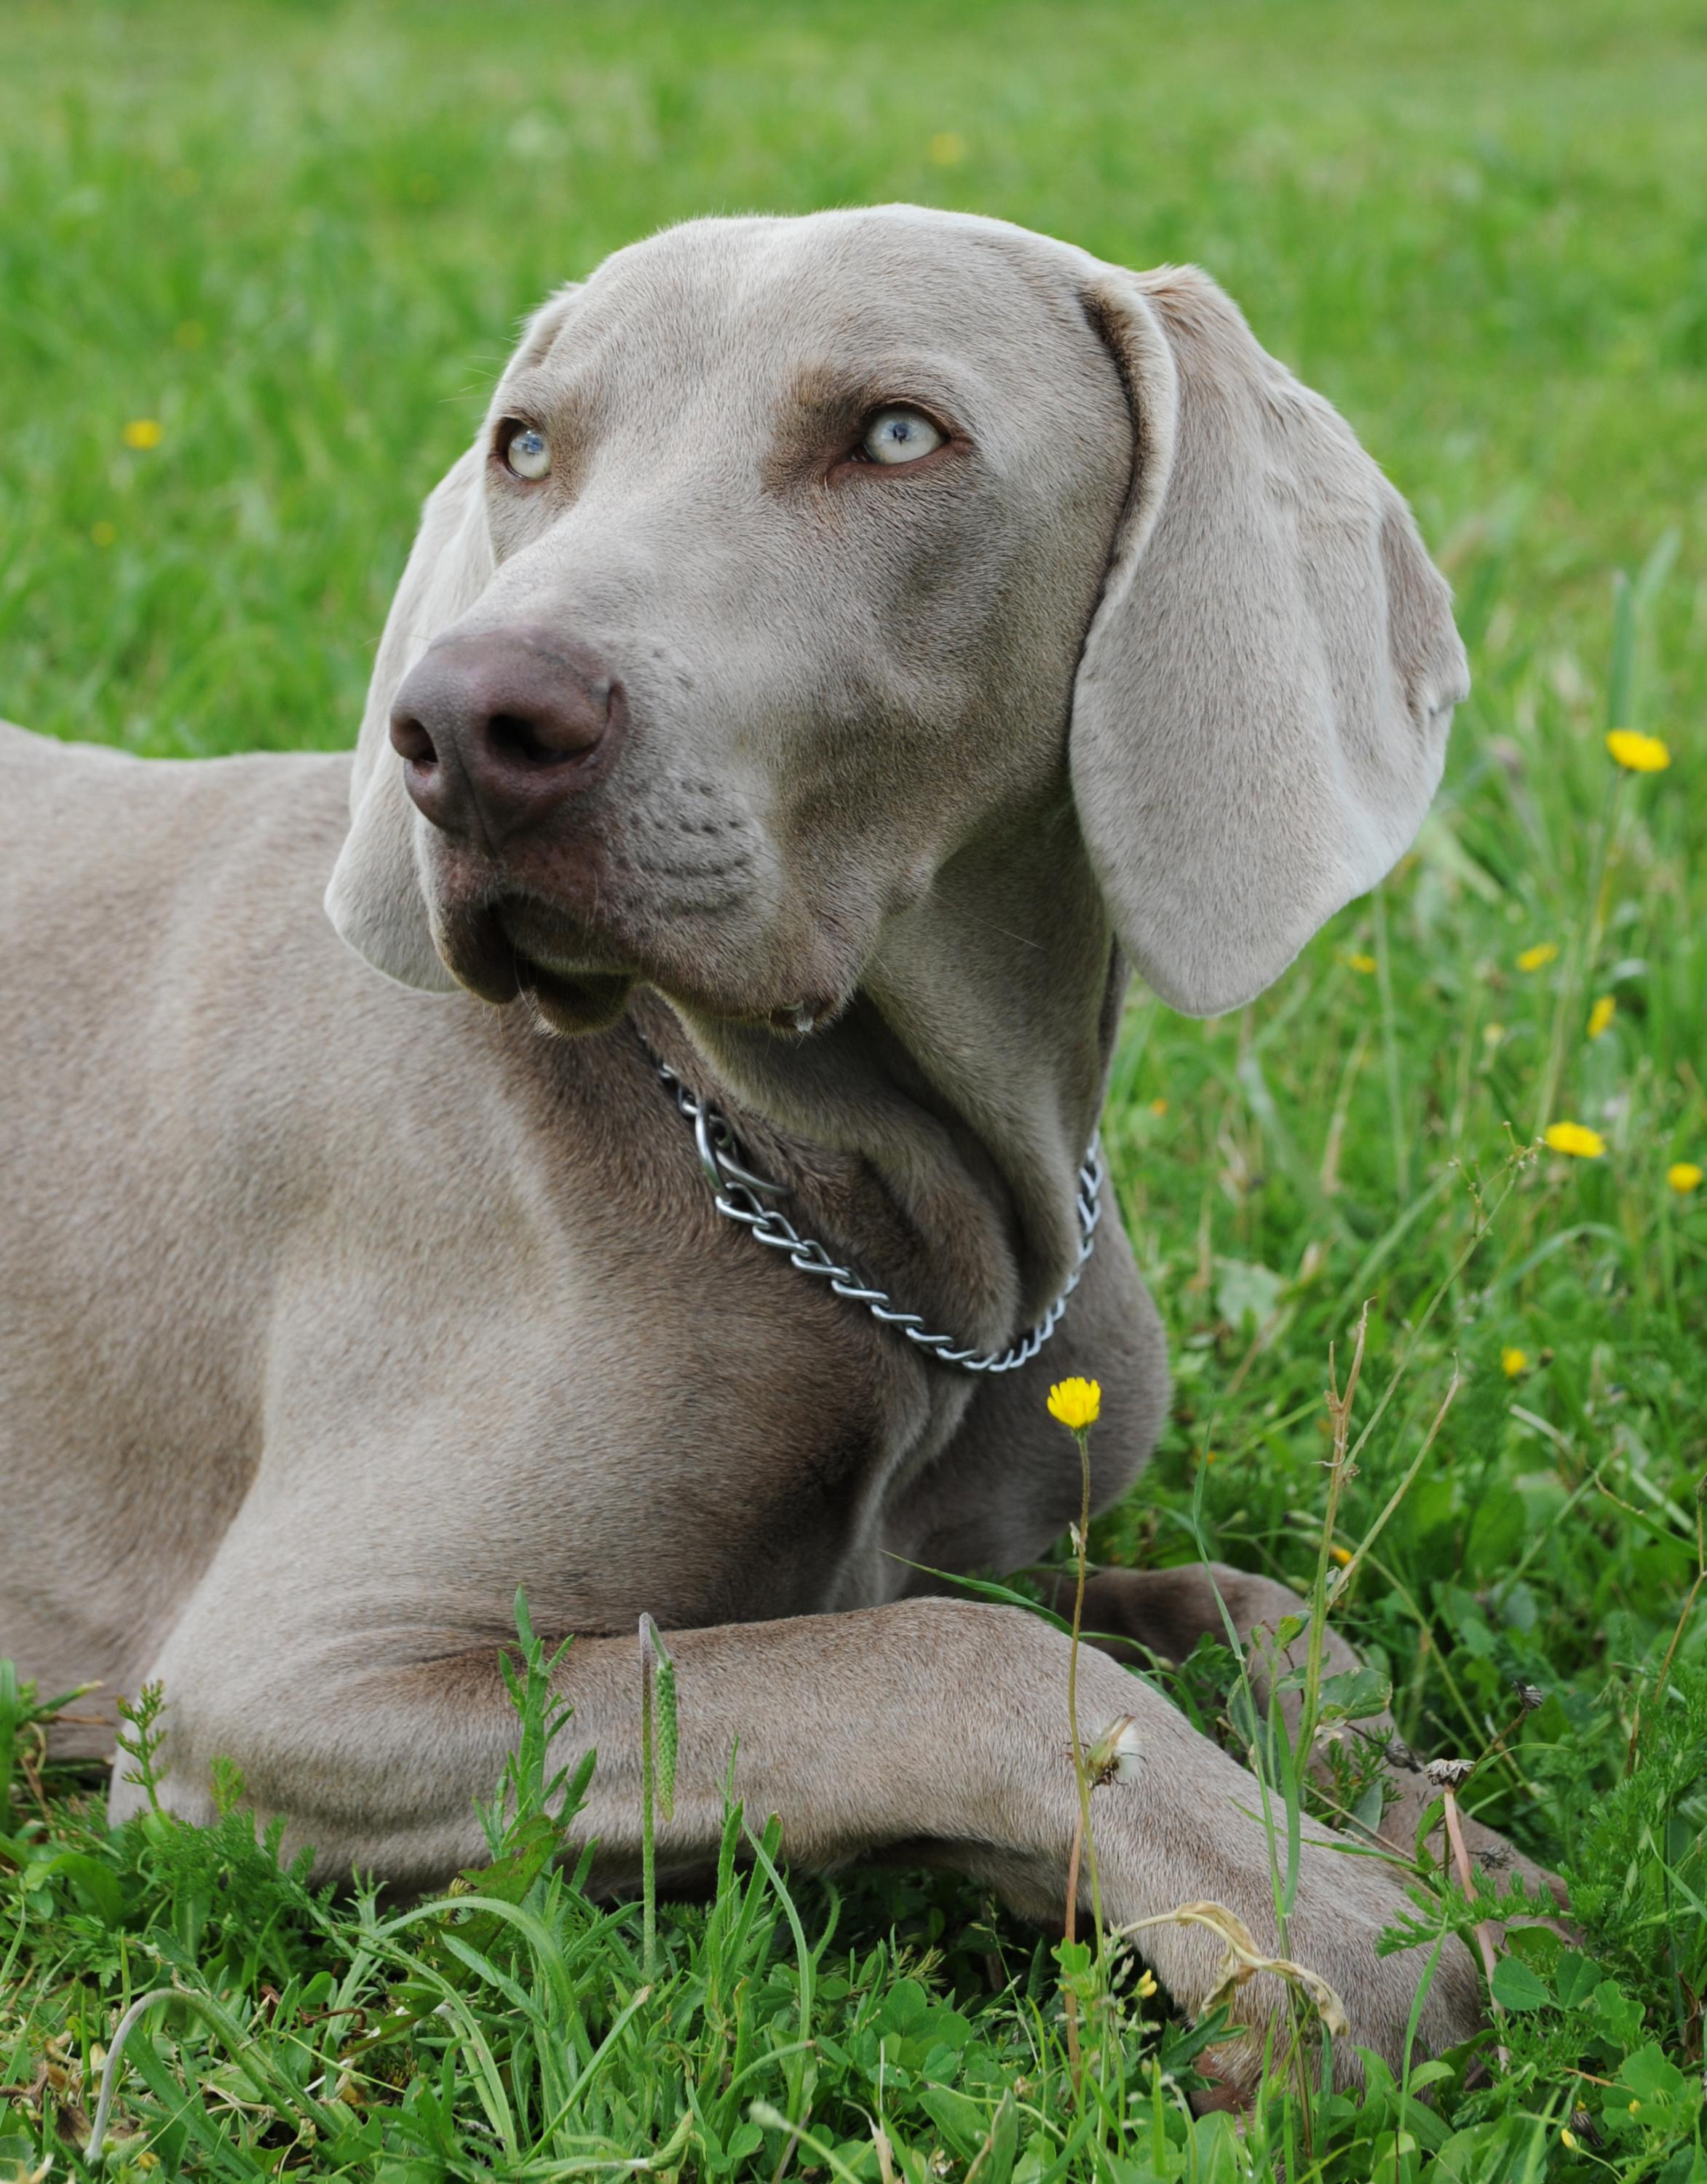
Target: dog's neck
x,y
966,1078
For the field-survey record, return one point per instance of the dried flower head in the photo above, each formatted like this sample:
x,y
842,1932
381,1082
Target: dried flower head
x,y
1076,1404
1529,1696
1637,752
1449,1773
1575,1139
1117,1755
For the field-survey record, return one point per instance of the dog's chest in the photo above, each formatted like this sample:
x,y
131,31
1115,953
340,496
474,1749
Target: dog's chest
x,y
641,1409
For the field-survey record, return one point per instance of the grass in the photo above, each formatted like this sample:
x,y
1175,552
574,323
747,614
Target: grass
x,y
298,239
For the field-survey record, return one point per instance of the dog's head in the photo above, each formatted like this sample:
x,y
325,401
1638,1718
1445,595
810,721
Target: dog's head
x,y
794,554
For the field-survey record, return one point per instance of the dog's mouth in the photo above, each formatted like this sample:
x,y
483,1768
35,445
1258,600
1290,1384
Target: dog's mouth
x,y
498,950
516,947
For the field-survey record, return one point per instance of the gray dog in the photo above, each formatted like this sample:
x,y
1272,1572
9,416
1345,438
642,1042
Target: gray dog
x,y
849,644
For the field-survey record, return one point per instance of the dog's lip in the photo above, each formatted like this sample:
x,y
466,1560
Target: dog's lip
x,y
478,952
513,945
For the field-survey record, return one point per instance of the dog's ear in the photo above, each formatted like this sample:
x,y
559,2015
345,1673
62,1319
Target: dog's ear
x,y
1260,714
375,897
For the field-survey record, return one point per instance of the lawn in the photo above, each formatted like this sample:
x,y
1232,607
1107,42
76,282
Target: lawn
x,y
257,265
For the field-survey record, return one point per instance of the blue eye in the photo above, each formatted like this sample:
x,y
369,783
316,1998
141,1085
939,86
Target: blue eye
x,y
900,436
528,452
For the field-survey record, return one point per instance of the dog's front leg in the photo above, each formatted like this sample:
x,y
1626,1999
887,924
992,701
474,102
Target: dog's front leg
x,y
935,1723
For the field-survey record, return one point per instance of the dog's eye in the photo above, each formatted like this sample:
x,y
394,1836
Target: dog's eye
x,y
900,436
527,452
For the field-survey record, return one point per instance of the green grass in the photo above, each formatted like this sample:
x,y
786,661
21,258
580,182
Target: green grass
x,y
299,238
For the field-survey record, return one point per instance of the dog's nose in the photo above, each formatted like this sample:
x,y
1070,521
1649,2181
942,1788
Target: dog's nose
x,y
495,730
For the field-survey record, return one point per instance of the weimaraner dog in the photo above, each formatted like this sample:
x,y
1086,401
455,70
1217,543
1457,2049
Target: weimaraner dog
x,y
850,643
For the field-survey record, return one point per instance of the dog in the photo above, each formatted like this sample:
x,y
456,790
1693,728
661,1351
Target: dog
x,y
850,647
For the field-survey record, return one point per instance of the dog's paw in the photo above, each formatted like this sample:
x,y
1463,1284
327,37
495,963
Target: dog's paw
x,y
1341,1987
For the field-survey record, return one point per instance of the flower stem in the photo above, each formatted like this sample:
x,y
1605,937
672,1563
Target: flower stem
x,y
648,1873
1081,1834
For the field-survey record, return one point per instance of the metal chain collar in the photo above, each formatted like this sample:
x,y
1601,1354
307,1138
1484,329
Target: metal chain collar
x,y
739,1192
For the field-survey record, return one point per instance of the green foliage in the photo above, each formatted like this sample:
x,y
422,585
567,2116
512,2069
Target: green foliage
x,y
297,236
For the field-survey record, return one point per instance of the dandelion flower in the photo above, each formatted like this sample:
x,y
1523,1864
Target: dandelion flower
x,y
1364,964
1513,1361
1575,1139
1341,1555
1076,1403
1536,958
143,432
1684,1176
1637,752
1601,1015
1159,1108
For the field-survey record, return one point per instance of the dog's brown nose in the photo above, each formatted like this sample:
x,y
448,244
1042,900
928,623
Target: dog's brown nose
x,y
495,730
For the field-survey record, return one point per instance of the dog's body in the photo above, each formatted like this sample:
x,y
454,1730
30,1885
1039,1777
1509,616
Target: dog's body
x,y
503,1273
337,1312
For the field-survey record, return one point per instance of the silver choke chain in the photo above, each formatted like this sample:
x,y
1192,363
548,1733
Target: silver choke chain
x,y
739,1195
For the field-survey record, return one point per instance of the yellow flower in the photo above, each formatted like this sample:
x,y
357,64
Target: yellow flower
x,y
143,432
1367,964
1512,1361
1637,752
1575,1139
1076,1403
1146,1986
947,149
1341,1555
1492,1034
1533,958
1601,1015
1158,1107
1567,2139
1684,1176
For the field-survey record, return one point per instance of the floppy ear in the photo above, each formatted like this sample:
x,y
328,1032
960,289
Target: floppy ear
x,y
1261,715
375,897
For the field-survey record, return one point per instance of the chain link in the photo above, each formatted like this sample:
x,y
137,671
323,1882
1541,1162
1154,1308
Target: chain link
x,y
739,1193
